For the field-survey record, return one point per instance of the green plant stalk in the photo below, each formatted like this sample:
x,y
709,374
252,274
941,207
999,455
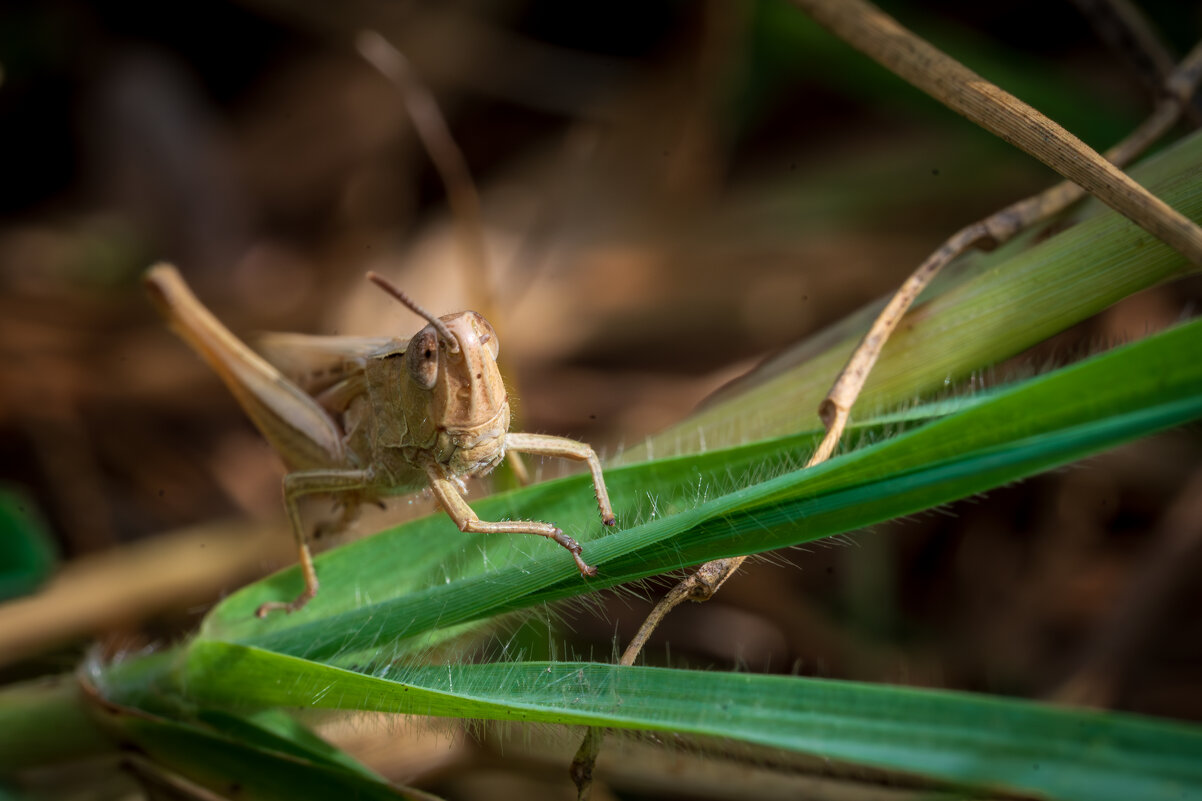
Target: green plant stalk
x,y
988,308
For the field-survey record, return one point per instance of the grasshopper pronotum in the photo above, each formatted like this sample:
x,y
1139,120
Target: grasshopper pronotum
x,y
365,417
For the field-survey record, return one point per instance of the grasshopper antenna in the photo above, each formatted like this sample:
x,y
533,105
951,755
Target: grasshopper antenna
x,y
439,325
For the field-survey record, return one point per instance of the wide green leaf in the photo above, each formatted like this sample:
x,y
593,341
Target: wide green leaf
x,y
957,737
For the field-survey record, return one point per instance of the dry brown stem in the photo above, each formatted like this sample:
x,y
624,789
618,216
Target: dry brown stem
x,y
448,159
990,232
103,591
431,128
1127,31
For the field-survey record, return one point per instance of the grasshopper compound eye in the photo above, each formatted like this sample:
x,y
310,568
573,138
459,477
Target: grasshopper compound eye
x,y
421,357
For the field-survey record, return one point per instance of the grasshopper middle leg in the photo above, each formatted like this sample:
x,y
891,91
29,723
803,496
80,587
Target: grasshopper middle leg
x,y
545,445
297,485
467,520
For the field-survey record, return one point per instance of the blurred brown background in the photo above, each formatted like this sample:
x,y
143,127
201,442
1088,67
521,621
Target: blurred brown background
x,y
669,191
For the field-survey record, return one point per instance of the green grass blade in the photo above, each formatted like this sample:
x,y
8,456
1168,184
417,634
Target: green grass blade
x,y
981,741
687,510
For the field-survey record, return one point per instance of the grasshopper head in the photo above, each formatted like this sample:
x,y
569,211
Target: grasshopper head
x,y
453,384
460,373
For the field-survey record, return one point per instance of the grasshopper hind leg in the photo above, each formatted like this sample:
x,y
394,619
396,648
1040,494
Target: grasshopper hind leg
x,y
296,486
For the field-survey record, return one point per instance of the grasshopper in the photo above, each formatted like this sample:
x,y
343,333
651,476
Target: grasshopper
x,y
366,417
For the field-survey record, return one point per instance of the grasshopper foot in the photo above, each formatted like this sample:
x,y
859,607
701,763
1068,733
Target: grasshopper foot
x,y
286,606
575,549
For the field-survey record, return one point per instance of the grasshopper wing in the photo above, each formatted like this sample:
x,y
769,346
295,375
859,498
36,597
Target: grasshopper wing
x,y
316,363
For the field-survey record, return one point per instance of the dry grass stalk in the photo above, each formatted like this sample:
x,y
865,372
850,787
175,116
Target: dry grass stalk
x,y
462,194
1125,28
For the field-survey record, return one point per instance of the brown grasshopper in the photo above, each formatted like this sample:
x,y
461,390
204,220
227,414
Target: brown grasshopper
x,y
366,417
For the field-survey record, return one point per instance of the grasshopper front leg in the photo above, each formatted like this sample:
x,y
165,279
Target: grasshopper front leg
x,y
297,485
545,445
447,494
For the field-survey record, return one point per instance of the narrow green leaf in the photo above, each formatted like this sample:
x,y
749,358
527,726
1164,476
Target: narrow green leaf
x,y
981,741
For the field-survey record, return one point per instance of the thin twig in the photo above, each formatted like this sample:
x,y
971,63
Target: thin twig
x,y
462,195
435,136
835,408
